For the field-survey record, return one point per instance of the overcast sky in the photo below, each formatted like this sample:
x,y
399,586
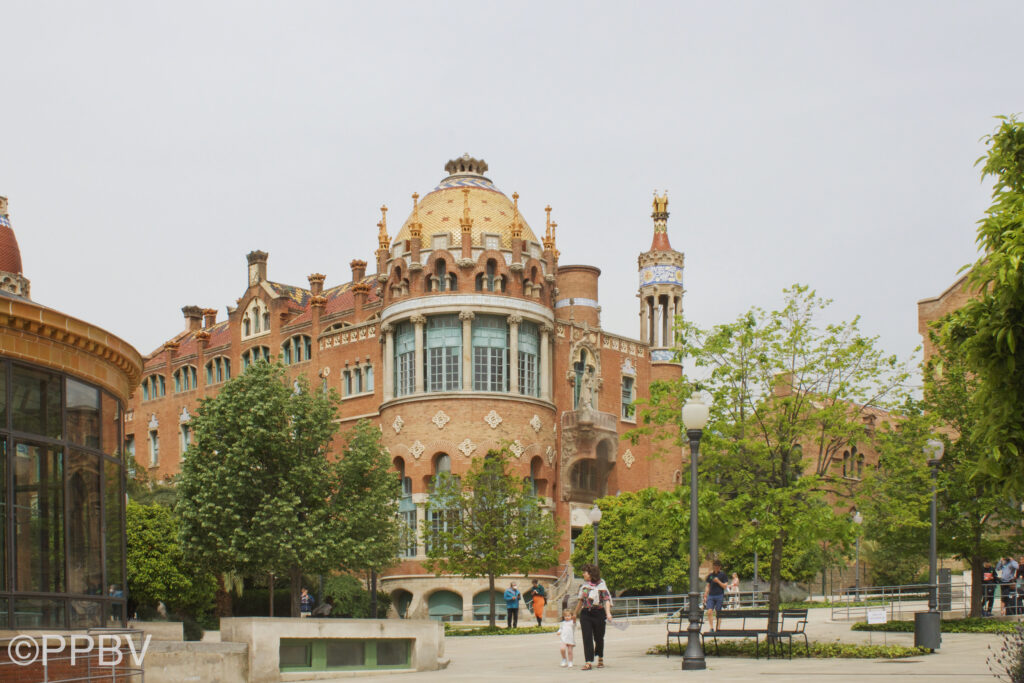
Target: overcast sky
x,y
147,147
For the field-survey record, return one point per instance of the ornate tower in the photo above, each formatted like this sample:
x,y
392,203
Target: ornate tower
x,y
661,287
11,278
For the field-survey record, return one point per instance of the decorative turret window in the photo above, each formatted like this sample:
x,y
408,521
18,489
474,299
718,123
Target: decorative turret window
x,y
256,319
405,359
218,370
490,280
254,355
185,379
529,354
490,353
443,358
154,386
297,349
441,280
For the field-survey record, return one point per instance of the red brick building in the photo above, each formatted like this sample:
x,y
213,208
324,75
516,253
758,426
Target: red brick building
x,y
468,334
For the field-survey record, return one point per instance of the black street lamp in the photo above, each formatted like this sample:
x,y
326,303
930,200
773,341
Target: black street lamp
x,y
595,519
695,418
928,625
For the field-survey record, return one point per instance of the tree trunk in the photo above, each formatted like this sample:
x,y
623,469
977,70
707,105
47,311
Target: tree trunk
x,y
270,591
490,583
295,581
373,594
775,588
977,587
223,598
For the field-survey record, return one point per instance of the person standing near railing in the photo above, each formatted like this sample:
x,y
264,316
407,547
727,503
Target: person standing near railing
x,y
1007,571
988,580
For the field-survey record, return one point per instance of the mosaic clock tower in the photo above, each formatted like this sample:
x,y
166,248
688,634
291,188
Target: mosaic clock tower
x,y
661,291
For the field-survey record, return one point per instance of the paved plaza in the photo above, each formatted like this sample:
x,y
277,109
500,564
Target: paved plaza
x,y
535,658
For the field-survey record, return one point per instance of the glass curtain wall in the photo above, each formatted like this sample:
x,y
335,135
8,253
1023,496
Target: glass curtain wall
x,y
62,536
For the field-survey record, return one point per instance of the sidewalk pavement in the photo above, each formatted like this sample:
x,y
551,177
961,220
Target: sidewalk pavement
x,y
962,658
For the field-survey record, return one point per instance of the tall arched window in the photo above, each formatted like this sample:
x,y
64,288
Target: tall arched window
x,y
529,359
185,379
218,370
405,359
297,349
254,355
490,353
443,358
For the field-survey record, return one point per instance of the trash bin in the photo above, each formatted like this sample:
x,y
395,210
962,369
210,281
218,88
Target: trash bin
x,y
928,630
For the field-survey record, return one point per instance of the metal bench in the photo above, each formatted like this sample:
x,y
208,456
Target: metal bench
x,y
793,622
753,623
677,626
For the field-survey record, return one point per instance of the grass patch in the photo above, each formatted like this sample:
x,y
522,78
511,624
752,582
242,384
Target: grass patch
x,y
835,650
496,631
970,625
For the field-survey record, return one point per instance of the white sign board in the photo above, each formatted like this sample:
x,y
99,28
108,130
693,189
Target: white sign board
x,y
877,615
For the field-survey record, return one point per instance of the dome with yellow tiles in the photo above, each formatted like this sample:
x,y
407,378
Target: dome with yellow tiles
x,y
465,193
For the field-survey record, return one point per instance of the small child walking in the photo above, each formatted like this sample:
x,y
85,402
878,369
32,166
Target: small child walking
x,y
567,636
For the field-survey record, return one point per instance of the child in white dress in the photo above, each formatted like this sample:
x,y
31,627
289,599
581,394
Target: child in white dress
x,y
567,636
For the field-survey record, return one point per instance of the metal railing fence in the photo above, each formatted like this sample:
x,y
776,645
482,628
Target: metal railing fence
x,y
663,605
900,602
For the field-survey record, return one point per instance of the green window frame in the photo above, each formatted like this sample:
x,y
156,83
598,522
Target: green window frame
x,y
443,357
344,654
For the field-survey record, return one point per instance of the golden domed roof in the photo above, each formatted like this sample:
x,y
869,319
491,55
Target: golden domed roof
x,y
442,210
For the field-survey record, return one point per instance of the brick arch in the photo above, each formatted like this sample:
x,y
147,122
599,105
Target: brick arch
x,y
450,267
501,269
528,276
398,279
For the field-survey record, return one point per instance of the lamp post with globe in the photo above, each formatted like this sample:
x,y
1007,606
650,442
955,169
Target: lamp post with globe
x,y
928,625
595,519
695,418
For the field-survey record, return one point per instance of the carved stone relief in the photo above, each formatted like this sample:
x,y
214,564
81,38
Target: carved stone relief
x,y
417,449
467,447
535,423
493,419
398,424
441,419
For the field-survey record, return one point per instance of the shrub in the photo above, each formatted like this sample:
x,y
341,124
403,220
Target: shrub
x,y
745,648
351,599
450,630
970,625
1007,663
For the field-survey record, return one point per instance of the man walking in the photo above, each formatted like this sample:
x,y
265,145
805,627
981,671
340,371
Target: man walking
x,y
714,593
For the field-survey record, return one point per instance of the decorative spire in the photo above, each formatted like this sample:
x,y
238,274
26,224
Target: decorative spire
x,y
10,256
415,227
554,226
660,216
466,222
549,236
517,226
383,240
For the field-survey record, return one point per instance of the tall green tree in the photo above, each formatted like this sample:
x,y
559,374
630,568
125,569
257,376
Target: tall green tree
x,y
365,506
491,524
788,395
157,567
256,490
639,540
979,518
990,328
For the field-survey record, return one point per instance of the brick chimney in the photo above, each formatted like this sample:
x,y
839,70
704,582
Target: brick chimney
x,y
193,318
257,266
316,283
209,317
358,270
360,291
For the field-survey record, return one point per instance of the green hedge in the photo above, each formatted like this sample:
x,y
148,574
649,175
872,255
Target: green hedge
x,y
971,625
496,631
745,648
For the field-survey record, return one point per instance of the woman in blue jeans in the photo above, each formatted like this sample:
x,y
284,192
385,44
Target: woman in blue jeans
x,y
593,611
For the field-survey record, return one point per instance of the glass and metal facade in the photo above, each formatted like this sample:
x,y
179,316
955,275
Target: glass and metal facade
x,y
62,555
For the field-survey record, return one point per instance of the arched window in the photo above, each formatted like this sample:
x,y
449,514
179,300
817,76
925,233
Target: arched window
x,y
254,355
440,276
218,370
443,357
185,379
256,319
529,359
154,386
405,359
297,349
490,353
584,476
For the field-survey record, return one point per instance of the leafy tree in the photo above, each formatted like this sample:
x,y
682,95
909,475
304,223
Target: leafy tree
x,y
492,524
639,539
990,328
788,395
157,568
978,519
256,490
365,506
351,598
